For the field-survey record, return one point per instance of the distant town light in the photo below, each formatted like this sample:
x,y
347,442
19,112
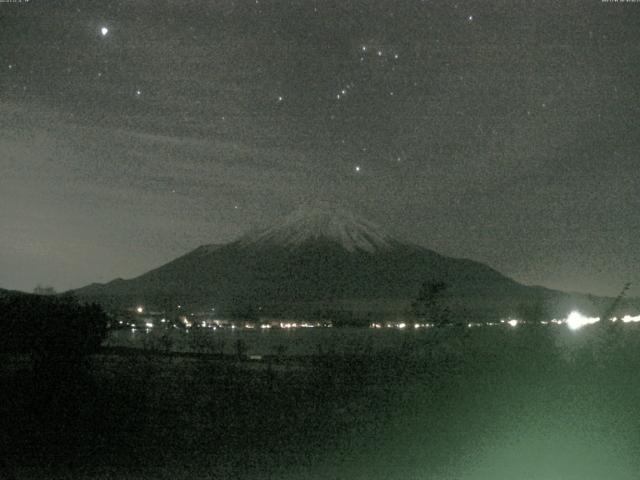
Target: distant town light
x,y
513,322
149,325
629,318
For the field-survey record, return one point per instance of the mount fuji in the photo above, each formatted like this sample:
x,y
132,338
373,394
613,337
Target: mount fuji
x,y
322,260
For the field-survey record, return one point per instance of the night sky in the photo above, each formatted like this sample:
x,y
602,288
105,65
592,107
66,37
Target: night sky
x,y
133,131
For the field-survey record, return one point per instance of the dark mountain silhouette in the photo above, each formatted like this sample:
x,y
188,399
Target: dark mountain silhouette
x,y
326,260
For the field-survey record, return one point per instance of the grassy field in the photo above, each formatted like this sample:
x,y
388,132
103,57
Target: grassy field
x,y
512,403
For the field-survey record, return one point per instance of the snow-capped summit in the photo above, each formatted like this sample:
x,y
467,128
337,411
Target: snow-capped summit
x,y
323,222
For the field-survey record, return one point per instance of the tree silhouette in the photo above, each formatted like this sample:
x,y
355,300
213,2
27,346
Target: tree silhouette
x,y
51,328
428,305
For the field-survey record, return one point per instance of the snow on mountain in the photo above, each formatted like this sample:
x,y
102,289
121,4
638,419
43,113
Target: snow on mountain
x,y
323,222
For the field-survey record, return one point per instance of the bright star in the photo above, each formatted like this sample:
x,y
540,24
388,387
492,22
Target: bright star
x,y
357,169
104,31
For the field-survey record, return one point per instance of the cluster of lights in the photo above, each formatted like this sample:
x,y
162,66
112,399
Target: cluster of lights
x,y
288,325
399,325
576,320
627,319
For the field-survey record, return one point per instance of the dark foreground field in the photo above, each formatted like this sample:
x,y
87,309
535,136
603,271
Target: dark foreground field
x,y
501,403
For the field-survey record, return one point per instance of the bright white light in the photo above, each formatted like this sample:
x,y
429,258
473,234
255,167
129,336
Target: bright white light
x,y
576,320
149,325
357,168
139,309
104,31
512,322
629,319
402,325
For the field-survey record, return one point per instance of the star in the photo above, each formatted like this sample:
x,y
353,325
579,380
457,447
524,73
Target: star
x,y
280,98
357,168
470,18
104,31
138,93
